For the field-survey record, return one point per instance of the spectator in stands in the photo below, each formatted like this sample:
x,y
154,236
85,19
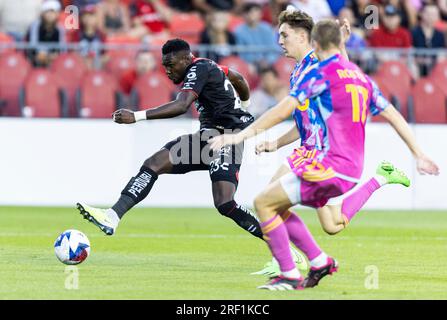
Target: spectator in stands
x,y
89,35
151,18
407,12
391,33
113,17
270,91
356,41
317,9
255,32
217,34
145,62
17,16
426,36
45,30
206,6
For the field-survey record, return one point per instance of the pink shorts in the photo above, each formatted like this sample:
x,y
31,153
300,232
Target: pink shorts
x,y
315,180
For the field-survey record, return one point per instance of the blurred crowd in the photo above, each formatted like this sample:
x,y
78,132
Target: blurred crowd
x,y
225,24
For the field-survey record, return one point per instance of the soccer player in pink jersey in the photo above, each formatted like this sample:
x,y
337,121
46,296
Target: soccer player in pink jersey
x,y
345,96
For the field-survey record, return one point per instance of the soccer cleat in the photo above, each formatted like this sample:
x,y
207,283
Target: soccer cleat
x,y
316,274
281,283
271,268
392,174
98,217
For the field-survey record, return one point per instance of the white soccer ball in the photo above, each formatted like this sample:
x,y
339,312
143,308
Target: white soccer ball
x,y
72,247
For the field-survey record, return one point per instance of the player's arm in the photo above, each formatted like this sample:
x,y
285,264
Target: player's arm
x,y
287,138
424,164
240,84
345,28
311,85
169,110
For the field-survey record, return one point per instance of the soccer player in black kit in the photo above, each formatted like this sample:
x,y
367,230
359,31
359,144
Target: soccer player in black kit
x,y
214,89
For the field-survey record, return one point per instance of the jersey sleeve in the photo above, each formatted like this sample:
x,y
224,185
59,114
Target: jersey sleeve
x,y
310,85
195,79
378,102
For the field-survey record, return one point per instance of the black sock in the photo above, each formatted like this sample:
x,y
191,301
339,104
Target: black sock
x,y
242,216
135,191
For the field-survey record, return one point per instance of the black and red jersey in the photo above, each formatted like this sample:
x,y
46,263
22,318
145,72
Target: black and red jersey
x,y
217,101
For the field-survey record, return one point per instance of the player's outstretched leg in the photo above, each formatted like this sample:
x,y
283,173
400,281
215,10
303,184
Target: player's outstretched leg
x,y
386,173
136,190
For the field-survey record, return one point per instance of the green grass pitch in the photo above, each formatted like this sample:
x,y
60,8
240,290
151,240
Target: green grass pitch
x,y
197,254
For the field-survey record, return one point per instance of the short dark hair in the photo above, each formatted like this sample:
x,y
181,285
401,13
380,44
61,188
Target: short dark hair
x,y
297,19
268,69
327,33
175,45
249,6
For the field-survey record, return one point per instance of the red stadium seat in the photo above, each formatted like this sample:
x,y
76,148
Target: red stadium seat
x,y
439,75
429,102
119,64
13,70
152,90
5,39
98,95
285,67
397,78
69,69
187,26
240,66
42,96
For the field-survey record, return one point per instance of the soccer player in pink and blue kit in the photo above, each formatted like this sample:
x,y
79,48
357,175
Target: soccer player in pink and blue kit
x,y
344,97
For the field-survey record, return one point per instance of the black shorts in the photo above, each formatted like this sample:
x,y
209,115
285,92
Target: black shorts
x,y
192,153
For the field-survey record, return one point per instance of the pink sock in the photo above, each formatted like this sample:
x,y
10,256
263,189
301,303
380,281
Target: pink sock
x,y
275,234
300,235
352,204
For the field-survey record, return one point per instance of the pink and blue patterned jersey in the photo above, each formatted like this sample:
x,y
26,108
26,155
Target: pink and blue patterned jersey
x,y
344,96
306,119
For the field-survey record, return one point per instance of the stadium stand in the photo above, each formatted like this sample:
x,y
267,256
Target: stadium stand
x,y
13,70
187,26
439,75
98,96
151,90
429,102
285,66
397,78
69,68
236,63
41,96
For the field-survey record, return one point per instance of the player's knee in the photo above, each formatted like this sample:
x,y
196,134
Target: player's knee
x,y
156,164
226,208
331,229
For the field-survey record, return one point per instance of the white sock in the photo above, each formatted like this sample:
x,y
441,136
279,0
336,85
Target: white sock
x,y
113,217
292,274
380,179
319,261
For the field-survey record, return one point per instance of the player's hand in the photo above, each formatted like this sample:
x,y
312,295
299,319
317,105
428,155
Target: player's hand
x,y
266,146
123,116
345,28
425,165
223,140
